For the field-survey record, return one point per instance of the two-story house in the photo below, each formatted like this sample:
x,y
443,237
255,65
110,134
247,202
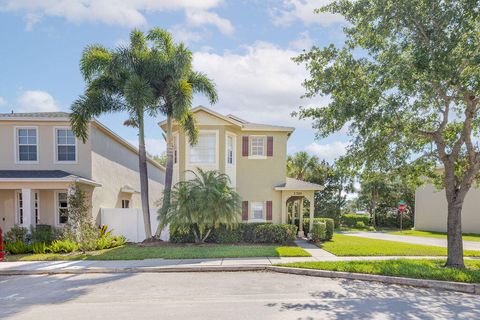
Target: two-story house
x,y
40,159
253,156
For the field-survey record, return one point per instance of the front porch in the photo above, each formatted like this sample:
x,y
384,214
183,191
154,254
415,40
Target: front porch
x,y
28,198
294,192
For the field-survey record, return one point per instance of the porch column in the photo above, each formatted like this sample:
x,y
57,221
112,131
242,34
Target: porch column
x,y
284,208
312,210
28,206
300,218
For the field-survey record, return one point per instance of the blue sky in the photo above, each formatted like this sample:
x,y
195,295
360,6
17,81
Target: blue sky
x,y
245,46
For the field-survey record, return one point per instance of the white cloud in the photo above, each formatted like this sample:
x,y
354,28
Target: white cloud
x,y
129,13
36,101
2,102
292,10
261,85
203,17
303,42
182,33
155,147
328,151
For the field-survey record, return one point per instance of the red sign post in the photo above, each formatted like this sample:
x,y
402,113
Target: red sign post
x,y
401,208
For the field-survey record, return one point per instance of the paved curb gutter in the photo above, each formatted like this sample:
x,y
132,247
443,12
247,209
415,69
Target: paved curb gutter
x,y
135,270
435,284
471,288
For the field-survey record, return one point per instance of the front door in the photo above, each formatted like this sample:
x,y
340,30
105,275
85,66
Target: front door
x,y
20,214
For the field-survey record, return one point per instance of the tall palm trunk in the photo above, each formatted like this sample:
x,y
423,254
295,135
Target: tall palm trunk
x,y
168,170
142,164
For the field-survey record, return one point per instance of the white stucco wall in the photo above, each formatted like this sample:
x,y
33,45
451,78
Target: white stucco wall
x,y
431,210
115,166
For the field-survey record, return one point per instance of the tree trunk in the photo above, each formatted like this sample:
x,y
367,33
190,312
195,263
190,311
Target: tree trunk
x,y
454,234
142,163
168,170
373,205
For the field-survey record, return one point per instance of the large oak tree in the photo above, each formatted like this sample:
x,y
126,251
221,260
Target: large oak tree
x,y
406,82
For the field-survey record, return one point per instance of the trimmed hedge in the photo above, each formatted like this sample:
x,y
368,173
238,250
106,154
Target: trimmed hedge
x,y
330,226
351,220
319,232
242,232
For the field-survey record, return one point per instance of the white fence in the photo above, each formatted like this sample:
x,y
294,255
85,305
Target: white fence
x,y
129,223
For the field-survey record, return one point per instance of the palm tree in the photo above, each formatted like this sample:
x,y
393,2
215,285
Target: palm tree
x,y
174,82
117,81
203,203
301,165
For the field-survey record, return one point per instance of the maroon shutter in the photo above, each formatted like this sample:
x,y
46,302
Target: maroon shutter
x,y
269,146
269,210
244,210
245,146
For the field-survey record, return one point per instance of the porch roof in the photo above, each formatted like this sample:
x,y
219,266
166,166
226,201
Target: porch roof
x,y
294,184
43,176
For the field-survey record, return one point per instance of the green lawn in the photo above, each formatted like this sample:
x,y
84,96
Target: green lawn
x,y
343,245
420,269
132,252
433,234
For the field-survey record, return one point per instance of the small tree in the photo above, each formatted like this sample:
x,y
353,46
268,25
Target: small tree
x,y
80,226
202,204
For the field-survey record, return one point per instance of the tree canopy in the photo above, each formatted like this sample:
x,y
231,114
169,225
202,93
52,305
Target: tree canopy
x,y
406,84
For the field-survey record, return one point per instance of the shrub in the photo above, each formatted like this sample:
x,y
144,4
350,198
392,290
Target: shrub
x,y
181,235
16,234
350,220
63,246
247,231
330,226
107,242
228,235
118,241
39,247
275,233
18,247
360,225
43,233
319,232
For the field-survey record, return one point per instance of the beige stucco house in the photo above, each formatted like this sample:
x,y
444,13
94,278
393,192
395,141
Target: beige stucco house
x,y
253,156
40,159
431,210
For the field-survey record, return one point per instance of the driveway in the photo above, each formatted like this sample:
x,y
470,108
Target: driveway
x,y
240,295
467,245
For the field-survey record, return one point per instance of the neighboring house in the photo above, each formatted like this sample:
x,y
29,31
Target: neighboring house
x,y
40,159
253,156
431,210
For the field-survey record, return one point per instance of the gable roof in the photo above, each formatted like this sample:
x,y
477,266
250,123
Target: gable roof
x,y
35,116
242,124
43,175
295,184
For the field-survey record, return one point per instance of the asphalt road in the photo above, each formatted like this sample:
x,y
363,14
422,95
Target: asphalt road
x,y
236,295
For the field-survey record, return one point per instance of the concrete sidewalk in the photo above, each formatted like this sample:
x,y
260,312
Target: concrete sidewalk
x,y
437,242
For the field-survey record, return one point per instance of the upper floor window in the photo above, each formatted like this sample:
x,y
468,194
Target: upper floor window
x,y
229,149
66,146
27,145
205,150
257,147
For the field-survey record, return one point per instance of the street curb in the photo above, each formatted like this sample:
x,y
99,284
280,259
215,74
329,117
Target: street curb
x,y
471,288
135,270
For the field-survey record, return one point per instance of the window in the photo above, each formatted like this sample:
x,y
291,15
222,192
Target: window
x,y
66,147
35,207
175,150
125,204
62,207
205,150
20,210
20,207
27,145
229,149
258,146
257,211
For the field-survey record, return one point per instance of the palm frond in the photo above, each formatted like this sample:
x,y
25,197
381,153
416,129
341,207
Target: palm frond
x,y
162,40
202,84
95,60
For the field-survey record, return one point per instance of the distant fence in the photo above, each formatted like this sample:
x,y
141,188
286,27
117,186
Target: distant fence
x,y
129,223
